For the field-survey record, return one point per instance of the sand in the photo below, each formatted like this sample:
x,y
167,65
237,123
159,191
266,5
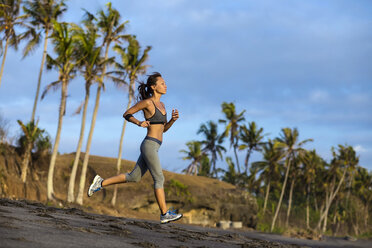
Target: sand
x,y
32,224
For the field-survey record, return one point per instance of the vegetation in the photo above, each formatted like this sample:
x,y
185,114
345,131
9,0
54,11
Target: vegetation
x,y
77,51
319,192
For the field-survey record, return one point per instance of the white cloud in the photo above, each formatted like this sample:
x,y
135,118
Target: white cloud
x,y
360,149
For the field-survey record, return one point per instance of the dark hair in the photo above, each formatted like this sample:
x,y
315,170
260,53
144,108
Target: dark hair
x,y
144,90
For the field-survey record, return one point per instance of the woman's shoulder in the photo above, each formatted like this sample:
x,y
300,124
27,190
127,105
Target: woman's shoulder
x,y
145,102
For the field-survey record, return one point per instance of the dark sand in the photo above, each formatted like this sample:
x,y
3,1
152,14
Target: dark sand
x,y
27,224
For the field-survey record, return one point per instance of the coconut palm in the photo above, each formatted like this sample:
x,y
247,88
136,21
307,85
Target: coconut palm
x,y
64,46
133,65
230,175
293,174
90,66
232,126
10,20
288,142
251,137
363,188
212,143
269,167
312,163
31,133
111,30
41,14
195,154
342,160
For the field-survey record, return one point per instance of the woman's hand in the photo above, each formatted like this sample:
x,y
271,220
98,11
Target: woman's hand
x,y
144,124
175,114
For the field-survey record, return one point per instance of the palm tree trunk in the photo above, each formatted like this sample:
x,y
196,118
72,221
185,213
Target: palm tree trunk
x,y
281,196
350,182
325,220
247,160
25,160
213,163
40,74
50,190
323,209
308,207
71,186
329,202
366,214
118,163
4,57
266,196
236,158
315,202
79,198
290,202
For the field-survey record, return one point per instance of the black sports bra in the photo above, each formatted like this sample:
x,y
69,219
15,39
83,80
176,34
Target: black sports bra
x,y
158,117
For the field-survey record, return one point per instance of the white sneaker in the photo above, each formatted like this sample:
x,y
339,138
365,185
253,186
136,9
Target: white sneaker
x,y
170,215
95,186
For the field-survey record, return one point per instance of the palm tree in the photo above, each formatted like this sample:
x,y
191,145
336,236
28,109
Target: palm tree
x,y
230,175
345,158
269,167
232,126
91,66
31,133
312,163
252,140
63,41
41,13
293,174
363,186
288,141
111,31
195,154
133,64
10,19
212,143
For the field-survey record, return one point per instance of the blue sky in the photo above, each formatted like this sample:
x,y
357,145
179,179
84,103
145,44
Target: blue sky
x,y
304,64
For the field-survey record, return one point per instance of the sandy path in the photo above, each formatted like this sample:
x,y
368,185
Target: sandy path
x,y
26,224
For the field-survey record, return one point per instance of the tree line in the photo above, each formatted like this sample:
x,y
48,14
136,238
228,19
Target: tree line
x,y
339,190
79,50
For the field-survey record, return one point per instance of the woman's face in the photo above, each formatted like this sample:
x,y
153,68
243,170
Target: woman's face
x,y
160,86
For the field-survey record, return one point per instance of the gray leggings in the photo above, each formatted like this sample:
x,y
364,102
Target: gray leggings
x,y
148,160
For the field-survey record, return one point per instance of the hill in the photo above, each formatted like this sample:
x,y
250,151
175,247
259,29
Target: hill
x,y
204,201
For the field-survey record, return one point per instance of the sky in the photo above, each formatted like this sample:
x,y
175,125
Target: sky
x,y
287,63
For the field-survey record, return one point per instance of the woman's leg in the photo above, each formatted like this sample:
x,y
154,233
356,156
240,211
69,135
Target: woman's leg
x,y
149,151
134,176
114,180
160,198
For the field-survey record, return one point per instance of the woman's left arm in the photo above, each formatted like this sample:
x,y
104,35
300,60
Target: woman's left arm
x,y
172,120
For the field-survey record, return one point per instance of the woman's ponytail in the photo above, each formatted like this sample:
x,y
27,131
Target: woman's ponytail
x,y
144,90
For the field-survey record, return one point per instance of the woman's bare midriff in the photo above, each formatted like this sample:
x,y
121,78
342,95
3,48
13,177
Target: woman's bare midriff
x,y
156,131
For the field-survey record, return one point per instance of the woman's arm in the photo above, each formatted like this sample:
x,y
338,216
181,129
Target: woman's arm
x,y
172,120
141,105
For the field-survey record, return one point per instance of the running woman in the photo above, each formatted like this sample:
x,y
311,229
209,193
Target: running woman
x,y
156,124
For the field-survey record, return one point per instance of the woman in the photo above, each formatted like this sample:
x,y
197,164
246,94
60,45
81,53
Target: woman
x,y
156,124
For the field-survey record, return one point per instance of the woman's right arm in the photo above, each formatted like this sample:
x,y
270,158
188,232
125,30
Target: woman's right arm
x,y
128,115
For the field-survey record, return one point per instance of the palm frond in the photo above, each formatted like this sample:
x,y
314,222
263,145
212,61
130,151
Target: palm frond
x,y
54,86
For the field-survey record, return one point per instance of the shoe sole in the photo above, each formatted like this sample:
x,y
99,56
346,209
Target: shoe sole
x,y
167,221
94,181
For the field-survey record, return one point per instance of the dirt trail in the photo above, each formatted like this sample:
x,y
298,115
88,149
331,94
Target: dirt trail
x,y
28,224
